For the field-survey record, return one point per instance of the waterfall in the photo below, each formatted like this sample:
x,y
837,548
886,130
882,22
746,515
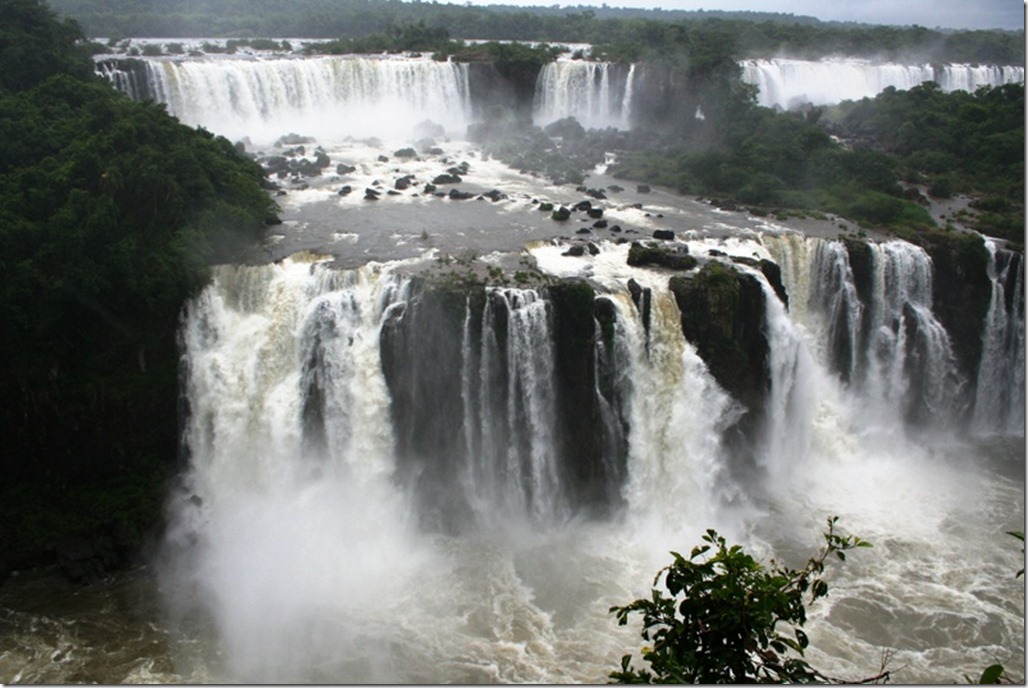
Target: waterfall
x,y
786,83
329,98
676,462
597,94
514,466
999,401
876,330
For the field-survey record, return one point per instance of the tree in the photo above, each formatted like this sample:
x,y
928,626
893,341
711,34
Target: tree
x,y
721,616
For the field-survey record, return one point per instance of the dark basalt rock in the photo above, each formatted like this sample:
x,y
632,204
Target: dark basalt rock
x,y
664,234
495,195
458,195
643,188
344,169
561,214
962,291
723,316
447,179
370,195
675,258
405,153
345,190
404,182
773,272
642,297
575,250
594,213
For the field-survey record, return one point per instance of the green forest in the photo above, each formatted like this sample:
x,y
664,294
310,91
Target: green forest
x,y
757,34
110,213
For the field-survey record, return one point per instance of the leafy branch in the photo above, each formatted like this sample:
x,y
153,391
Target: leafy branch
x,y
720,616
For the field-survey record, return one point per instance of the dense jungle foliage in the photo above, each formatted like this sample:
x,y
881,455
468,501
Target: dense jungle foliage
x,y
628,32
110,212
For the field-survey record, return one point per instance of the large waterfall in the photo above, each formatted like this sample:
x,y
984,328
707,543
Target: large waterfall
x,y
786,83
326,97
362,96
389,480
408,471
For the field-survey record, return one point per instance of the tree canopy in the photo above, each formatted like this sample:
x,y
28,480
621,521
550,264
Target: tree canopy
x,y
110,213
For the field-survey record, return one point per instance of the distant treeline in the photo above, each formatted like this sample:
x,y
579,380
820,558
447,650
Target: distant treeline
x,y
626,32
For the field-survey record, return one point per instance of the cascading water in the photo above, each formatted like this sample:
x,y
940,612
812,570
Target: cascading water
x,y
999,402
387,484
886,343
786,83
597,94
267,532
329,98
513,463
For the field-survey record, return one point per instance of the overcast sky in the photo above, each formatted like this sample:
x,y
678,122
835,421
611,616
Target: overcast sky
x,y
952,14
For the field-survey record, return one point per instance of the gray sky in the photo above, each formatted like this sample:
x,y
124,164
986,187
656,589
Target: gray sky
x,y
953,14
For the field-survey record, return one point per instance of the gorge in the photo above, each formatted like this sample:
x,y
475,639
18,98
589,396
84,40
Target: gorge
x,y
433,438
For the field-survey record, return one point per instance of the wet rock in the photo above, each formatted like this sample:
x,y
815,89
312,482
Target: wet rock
x,y
404,183
405,153
345,190
495,195
383,158
370,195
674,258
643,188
344,169
575,250
664,234
448,178
723,316
561,214
458,195
595,213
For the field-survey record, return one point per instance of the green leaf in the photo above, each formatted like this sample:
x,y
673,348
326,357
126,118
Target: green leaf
x,y
992,674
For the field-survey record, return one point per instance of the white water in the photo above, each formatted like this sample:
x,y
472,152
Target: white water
x,y
897,355
597,94
514,461
787,83
329,98
999,403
